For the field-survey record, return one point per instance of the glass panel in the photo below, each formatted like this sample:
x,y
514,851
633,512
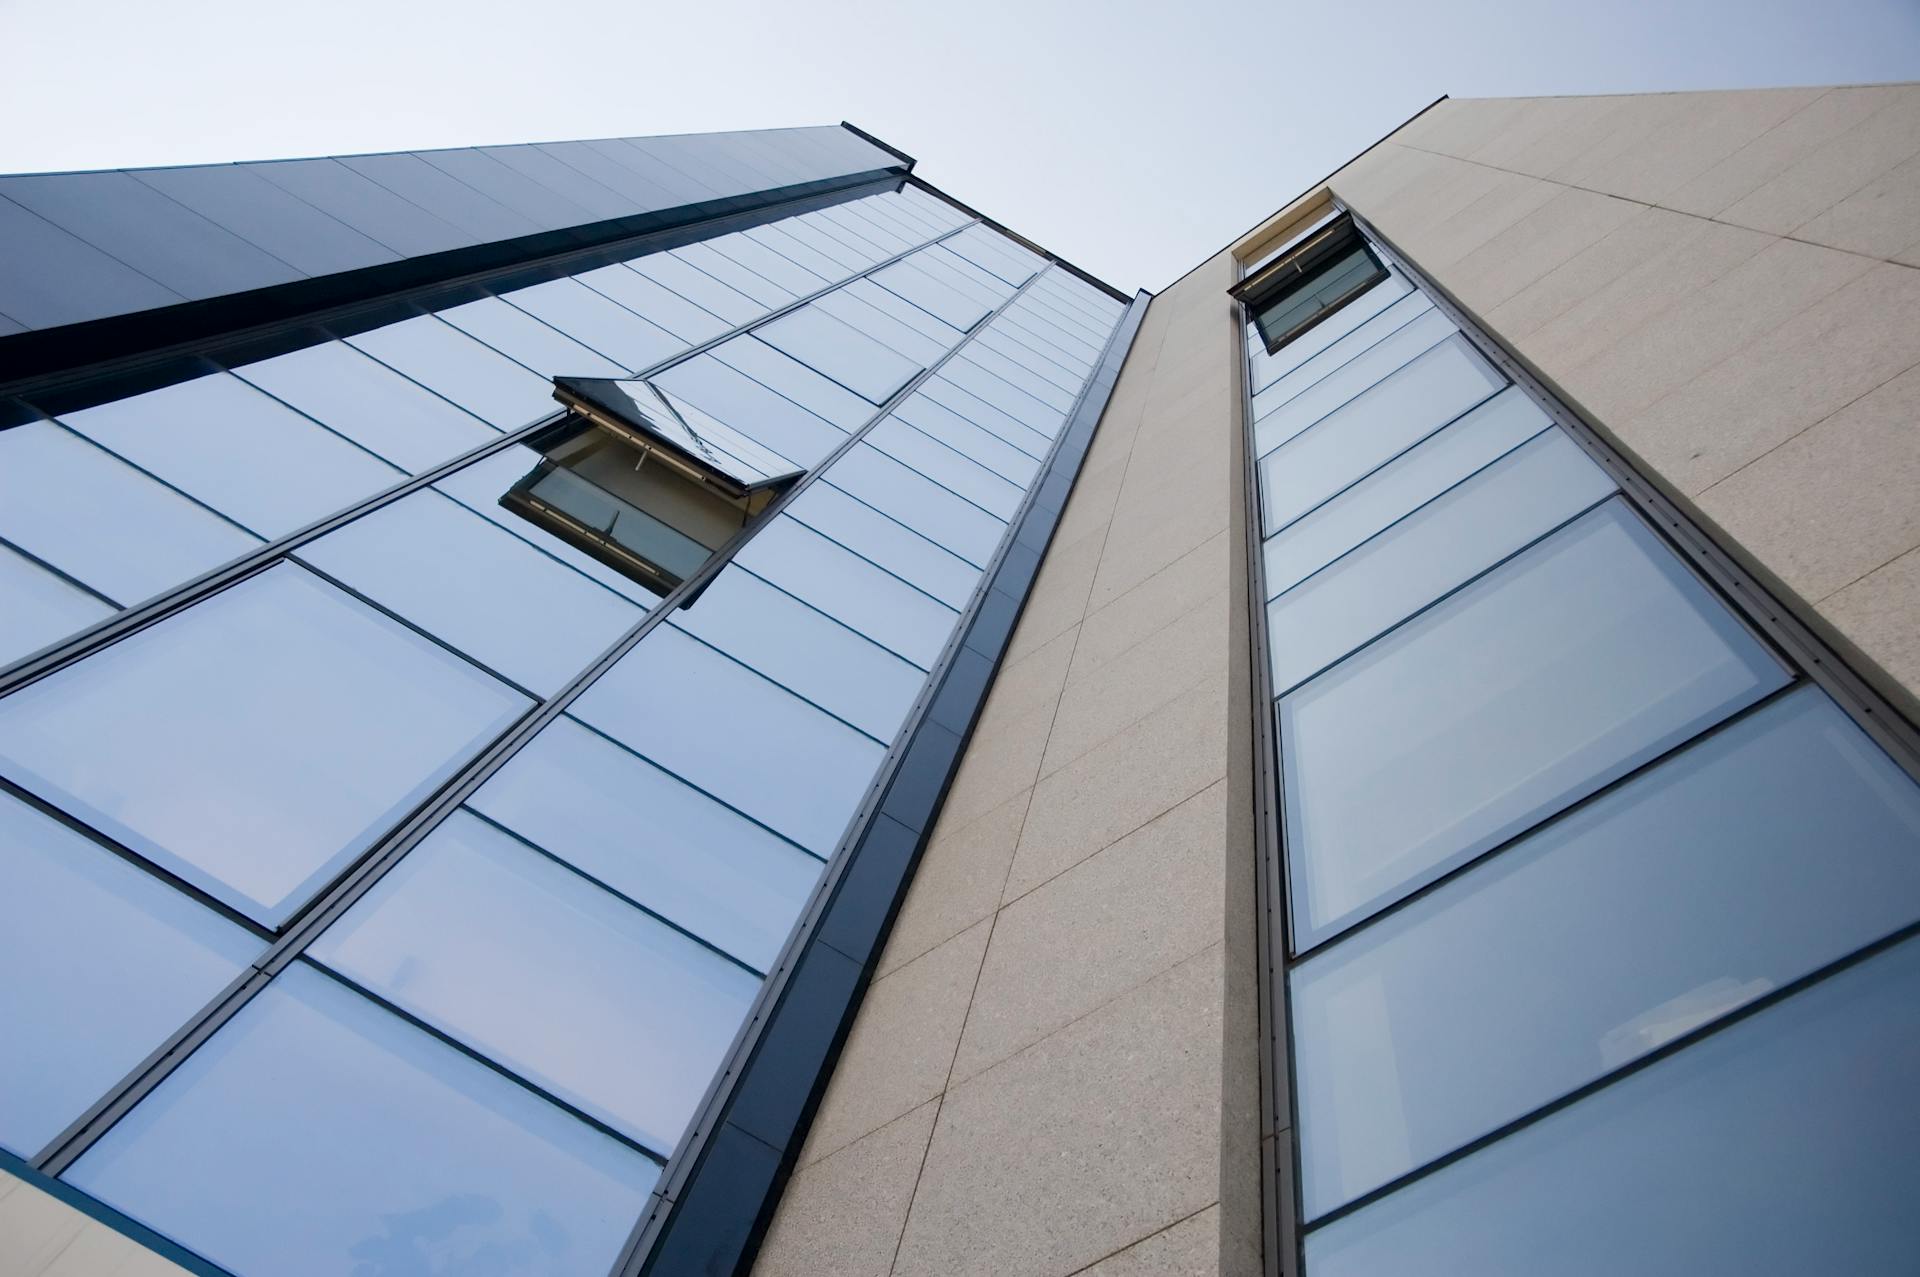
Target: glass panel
x,y
807,230
855,360
1765,851
1388,323
592,320
1783,1145
977,381
1370,366
749,743
493,596
1019,376
860,229
444,359
222,442
986,416
907,280
660,305
795,381
104,961
316,1133
1578,660
564,983
880,540
769,265
1523,496
1003,339
848,588
1034,329
257,742
1330,282
906,340
41,608
99,520
479,487
655,839
993,252
1269,368
698,287
1407,482
804,650
918,502
739,401
950,428
521,337
735,276
778,237
946,467
940,333
959,273
370,404
1372,428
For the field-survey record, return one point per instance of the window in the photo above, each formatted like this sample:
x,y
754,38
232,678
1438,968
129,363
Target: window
x,y
644,487
1333,267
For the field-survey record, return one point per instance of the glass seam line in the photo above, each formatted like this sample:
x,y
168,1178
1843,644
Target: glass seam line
x,y
112,628
66,577
682,1170
311,919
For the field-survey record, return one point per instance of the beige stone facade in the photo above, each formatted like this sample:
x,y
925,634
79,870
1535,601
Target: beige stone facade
x,y
42,1236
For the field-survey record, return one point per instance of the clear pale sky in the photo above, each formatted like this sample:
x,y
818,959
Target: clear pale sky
x,y
1134,137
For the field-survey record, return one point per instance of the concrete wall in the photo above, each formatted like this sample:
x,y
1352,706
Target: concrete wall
x,y
1037,1079
41,1236
1729,284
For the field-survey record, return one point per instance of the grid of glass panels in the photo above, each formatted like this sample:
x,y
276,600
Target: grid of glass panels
x,y
1549,806
487,1057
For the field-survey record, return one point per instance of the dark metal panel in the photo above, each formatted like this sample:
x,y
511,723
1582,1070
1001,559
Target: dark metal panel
x,y
866,899
137,224
48,277
267,216
789,1063
714,1233
365,205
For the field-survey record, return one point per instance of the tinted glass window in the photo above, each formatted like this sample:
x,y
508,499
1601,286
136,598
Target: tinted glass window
x,y
748,742
371,404
849,356
918,502
1311,372
563,982
893,546
104,962
1590,653
224,443
469,582
1267,369
660,304
537,346
767,264
1019,376
41,608
950,469
1780,1146
316,1133
986,416
910,282
1767,850
795,381
764,416
1290,415
949,427
444,359
594,321
698,287
703,258
256,742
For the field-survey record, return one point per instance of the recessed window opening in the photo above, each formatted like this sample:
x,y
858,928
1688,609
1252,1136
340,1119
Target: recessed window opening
x,y
1333,267
643,482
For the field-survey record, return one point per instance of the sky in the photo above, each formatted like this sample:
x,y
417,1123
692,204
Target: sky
x,y
1132,137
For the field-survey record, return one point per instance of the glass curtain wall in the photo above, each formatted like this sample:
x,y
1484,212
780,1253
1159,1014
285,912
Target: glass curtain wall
x,y
1555,820
477,1047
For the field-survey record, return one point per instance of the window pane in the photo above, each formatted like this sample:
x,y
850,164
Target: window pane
x,y
1763,852
371,404
1783,1145
698,287
807,231
104,961
101,521
703,258
490,594
918,502
1019,376
446,360
40,607
992,252
1362,344
778,236
1032,327
316,1133
907,280
1004,339
958,273
1410,480
721,727
561,981
1372,428
1267,368
986,416
805,651
1022,407
1576,661
597,323
222,442
848,588
1521,497
783,272
849,356
480,486
950,428
755,411
946,467
878,312
796,381
257,742
659,304
880,540
522,338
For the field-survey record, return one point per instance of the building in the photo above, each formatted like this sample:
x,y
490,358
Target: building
x,y
693,705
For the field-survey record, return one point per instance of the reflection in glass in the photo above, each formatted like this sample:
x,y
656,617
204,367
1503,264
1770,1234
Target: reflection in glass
x,y
600,324
559,980
1786,1144
527,341
257,742
950,469
918,502
104,962
447,361
849,356
890,545
41,608
1297,403
1577,660
317,1133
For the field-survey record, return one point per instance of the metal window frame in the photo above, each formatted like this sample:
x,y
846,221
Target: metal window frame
x,y
1270,283
1779,625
